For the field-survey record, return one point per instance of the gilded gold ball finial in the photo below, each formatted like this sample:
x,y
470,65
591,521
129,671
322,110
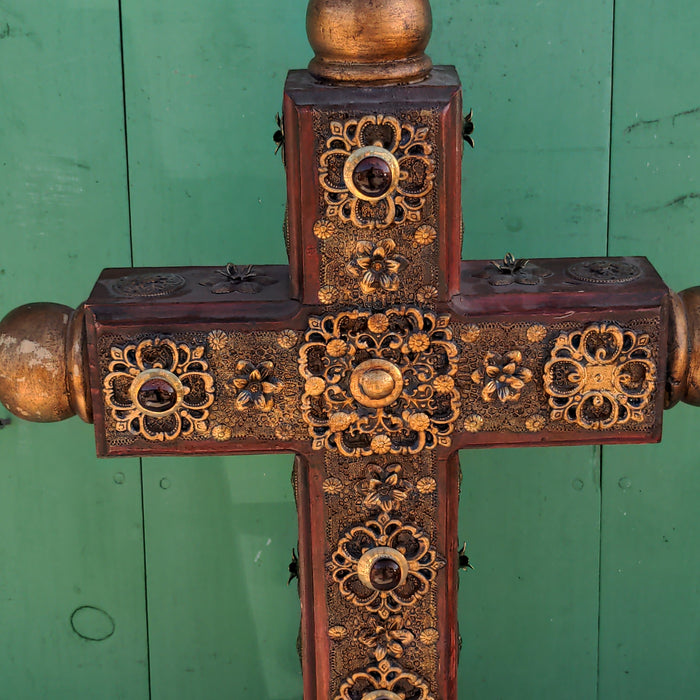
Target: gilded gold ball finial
x,y
369,41
43,363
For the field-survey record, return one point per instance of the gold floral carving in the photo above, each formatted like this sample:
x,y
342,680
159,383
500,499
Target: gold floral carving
x,y
516,376
218,354
323,229
425,235
255,384
175,376
384,681
535,423
386,637
376,266
386,532
502,376
600,377
287,339
379,383
536,333
403,147
384,489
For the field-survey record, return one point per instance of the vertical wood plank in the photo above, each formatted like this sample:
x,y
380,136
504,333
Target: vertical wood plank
x,y
223,621
203,84
649,594
70,528
528,611
538,78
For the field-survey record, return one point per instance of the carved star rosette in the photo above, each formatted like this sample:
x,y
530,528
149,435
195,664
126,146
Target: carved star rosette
x,y
600,377
416,564
378,383
384,681
158,389
405,150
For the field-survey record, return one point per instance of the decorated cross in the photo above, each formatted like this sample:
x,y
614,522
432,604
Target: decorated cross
x,y
374,357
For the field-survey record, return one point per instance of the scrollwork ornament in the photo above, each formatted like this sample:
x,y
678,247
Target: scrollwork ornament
x,y
379,383
600,378
158,389
408,155
385,680
421,560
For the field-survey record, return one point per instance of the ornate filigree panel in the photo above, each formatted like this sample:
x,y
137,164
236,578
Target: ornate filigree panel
x,y
601,377
525,377
158,389
384,681
221,385
376,223
373,506
378,383
377,204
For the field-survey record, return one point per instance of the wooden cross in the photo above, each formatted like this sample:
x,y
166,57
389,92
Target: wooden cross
x,y
374,357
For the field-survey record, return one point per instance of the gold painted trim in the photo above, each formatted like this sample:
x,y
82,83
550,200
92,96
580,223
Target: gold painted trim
x,y
356,157
163,374
678,353
78,388
367,383
371,556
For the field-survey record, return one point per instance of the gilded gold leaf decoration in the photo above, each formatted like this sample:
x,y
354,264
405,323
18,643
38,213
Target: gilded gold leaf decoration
x,y
327,294
158,389
256,385
217,340
392,533
473,423
536,333
429,636
387,676
376,266
379,383
386,637
426,294
601,377
333,486
384,489
470,334
405,150
287,339
425,235
323,229
502,376
221,433
426,485
535,423
337,632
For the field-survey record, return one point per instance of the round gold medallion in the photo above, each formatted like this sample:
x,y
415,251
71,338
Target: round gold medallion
x,y
376,383
157,392
371,173
382,569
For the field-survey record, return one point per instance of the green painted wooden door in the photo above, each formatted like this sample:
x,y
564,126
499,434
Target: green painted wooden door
x,y
135,131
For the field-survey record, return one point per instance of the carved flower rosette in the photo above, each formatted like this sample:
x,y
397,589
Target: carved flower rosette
x,y
405,146
600,377
421,560
159,390
379,383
